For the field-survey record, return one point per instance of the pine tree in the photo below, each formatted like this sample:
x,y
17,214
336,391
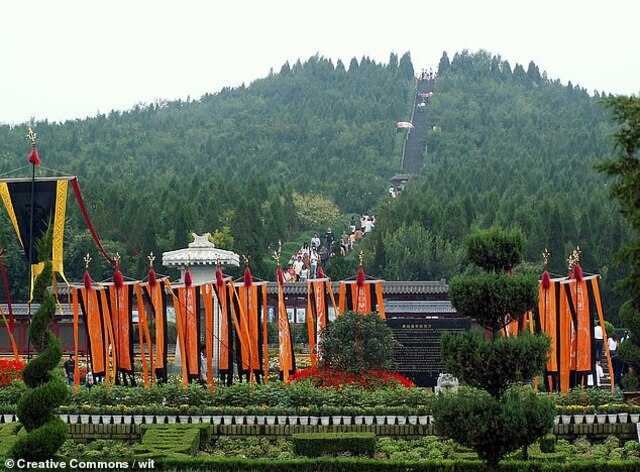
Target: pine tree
x,y
444,63
405,67
492,367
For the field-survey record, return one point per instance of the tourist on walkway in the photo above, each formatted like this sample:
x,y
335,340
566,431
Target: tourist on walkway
x,y
599,374
329,238
352,225
344,243
297,267
315,258
315,241
597,334
613,345
368,225
70,369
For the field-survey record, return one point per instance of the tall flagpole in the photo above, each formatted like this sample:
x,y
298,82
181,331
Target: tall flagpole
x,y
34,160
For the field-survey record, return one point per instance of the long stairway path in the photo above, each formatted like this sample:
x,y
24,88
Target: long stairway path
x,y
414,148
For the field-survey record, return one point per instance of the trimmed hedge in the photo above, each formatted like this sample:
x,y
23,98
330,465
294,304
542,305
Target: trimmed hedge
x,y
320,444
9,434
331,464
173,440
548,443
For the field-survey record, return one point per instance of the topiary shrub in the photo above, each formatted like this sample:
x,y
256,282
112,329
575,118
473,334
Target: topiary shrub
x,y
493,427
323,444
47,390
513,359
356,343
548,443
495,416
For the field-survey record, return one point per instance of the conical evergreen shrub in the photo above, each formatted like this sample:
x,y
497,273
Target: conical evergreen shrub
x,y
47,390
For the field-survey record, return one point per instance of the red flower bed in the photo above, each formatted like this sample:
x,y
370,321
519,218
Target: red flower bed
x,y
323,377
10,370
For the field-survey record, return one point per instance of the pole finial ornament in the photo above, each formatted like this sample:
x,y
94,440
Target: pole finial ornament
x,y
545,257
87,259
33,155
574,258
32,137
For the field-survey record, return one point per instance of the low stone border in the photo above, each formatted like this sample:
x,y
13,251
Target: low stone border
x,y
127,427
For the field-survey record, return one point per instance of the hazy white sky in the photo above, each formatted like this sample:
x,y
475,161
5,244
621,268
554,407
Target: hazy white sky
x,y
70,59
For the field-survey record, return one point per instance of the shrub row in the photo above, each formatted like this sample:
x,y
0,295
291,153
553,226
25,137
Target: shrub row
x,y
275,394
320,444
361,464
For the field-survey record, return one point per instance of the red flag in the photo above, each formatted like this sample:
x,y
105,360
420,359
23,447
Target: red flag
x,y
33,157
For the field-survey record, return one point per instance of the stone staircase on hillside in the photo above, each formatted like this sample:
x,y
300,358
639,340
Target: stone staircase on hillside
x,y
414,148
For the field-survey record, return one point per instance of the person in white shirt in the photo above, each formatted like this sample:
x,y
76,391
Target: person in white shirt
x,y
368,226
597,334
314,263
203,365
297,267
315,241
613,345
599,375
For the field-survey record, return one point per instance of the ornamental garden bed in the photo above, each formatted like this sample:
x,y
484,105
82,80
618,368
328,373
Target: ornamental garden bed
x,y
201,452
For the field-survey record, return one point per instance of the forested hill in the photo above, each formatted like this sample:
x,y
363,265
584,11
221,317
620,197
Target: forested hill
x,y
231,159
509,147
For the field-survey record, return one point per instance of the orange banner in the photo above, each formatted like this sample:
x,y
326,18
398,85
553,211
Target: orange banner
x,y
566,343
95,331
584,329
144,337
158,305
180,329
120,307
311,317
265,334
111,349
380,300
342,299
361,299
242,330
225,338
250,317
285,351
548,321
207,297
189,310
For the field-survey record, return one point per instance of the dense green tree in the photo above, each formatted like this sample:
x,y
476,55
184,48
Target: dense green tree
x,y
491,366
624,169
412,252
405,67
357,343
444,63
